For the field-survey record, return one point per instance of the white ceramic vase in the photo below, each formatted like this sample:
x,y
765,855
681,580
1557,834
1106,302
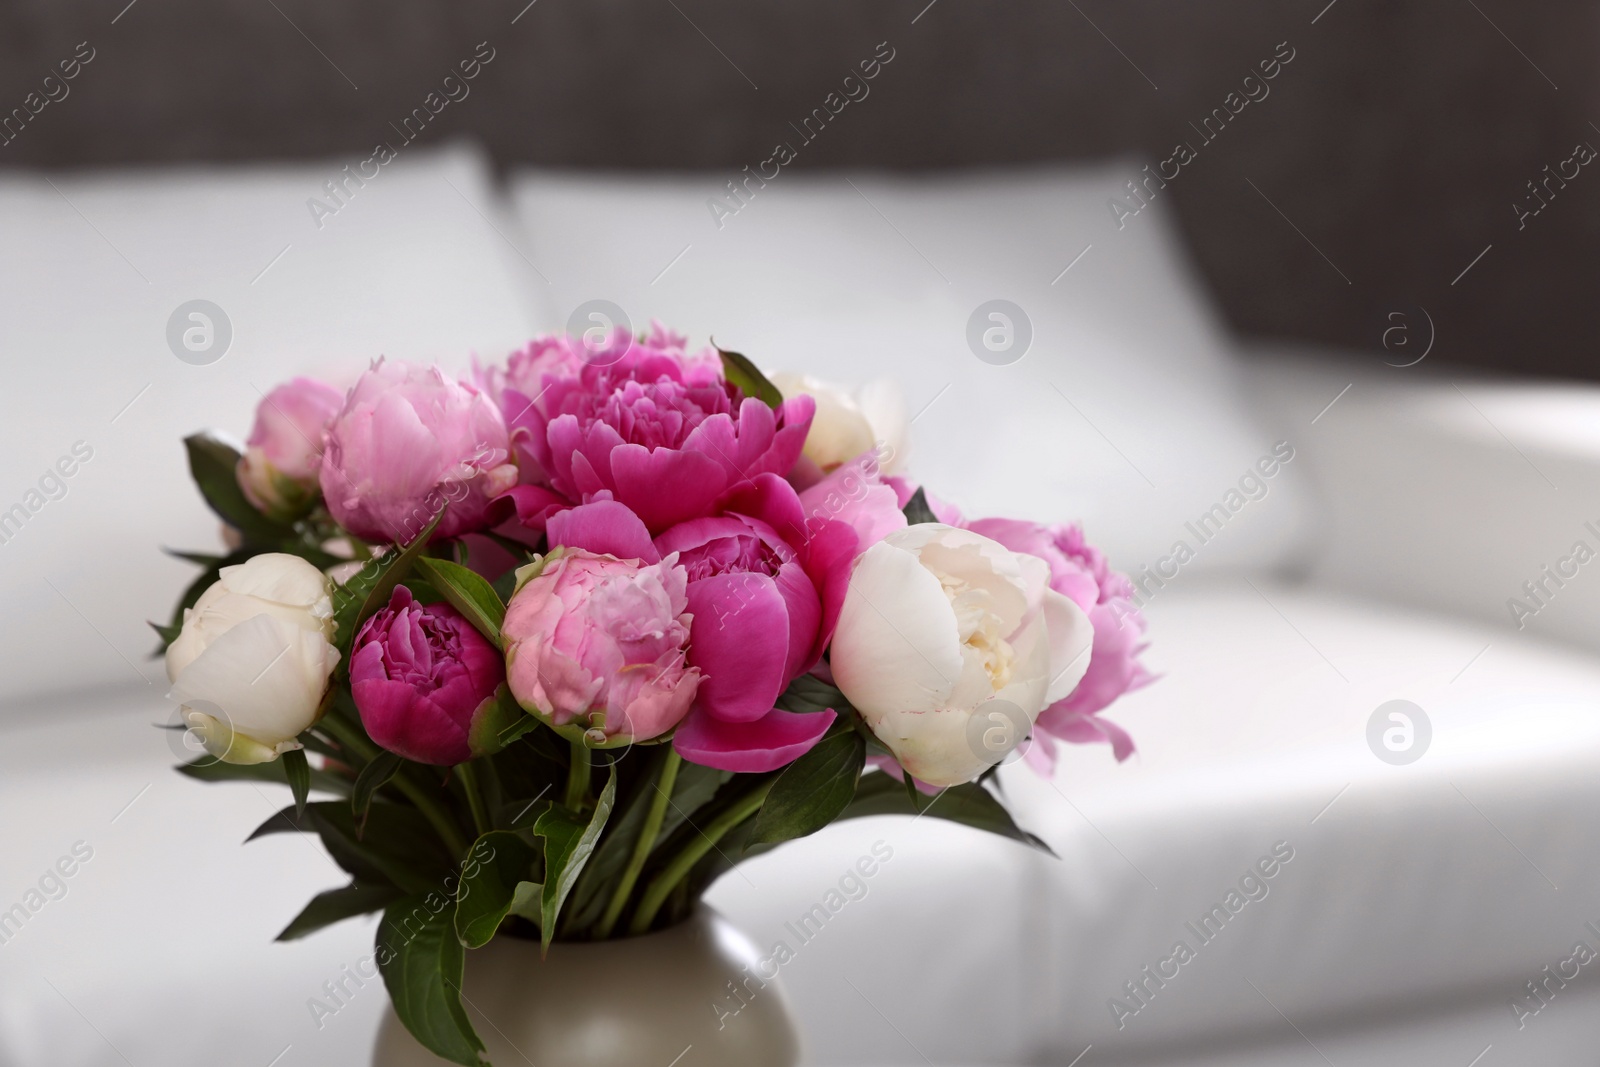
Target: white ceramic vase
x,y
622,1003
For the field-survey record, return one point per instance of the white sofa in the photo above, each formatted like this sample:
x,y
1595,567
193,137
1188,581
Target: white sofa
x,y
1418,900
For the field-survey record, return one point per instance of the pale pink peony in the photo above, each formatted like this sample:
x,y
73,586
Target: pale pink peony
x,y
596,645
1079,571
408,442
278,471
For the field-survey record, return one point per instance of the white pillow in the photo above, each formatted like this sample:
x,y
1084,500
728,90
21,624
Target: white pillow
x,y
1123,413
91,271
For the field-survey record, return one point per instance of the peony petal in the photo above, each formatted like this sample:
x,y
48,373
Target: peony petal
x,y
665,486
1072,639
604,527
896,646
827,556
772,500
740,643
409,724
1083,730
854,494
775,739
263,678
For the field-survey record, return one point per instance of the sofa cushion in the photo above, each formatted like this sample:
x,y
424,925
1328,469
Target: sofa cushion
x,y
93,267
1123,412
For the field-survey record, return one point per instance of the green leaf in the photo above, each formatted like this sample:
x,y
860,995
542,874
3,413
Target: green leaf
x,y
336,905
523,814
809,693
469,593
595,886
917,509
695,788
369,589
298,772
490,727
737,368
525,901
372,776
514,729
813,790
505,585
497,863
199,559
214,465
969,804
422,963
396,845
569,840
210,769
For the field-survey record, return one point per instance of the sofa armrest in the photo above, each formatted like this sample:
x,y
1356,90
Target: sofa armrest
x,y
1455,492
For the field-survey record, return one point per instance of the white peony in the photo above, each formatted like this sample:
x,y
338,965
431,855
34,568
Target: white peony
x,y
846,425
252,661
944,633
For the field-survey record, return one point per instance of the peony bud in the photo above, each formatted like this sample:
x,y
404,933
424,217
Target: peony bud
x,y
595,646
941,625
423,678
252,661
408,442
278,471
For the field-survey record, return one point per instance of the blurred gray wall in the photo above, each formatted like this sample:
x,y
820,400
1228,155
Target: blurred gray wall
x,y
1385,156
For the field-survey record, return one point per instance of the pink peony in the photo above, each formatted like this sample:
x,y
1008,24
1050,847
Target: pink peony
x,y
857,494
422,678
764,589
595,645
408,442
654,429
278,471
1079,571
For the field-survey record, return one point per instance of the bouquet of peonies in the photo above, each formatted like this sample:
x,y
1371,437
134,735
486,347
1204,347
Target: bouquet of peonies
x,y
571,638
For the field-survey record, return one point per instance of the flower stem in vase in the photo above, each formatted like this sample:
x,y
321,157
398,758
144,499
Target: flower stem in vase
x,y
578,776
469,784
684,861
441,820
668,776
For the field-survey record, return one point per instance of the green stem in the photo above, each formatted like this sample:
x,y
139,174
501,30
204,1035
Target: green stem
x,y
441,820
578,776
641,848
469,782
680,866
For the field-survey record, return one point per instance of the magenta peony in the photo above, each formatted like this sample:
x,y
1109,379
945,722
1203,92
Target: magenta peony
x,y
764,589
422,679
595,646
1079,571
278,471
408,442
654,429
